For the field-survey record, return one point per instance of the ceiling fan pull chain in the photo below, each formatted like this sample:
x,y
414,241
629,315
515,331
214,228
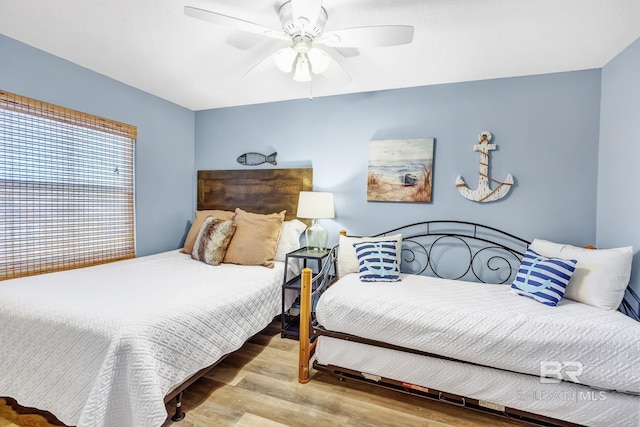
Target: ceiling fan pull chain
x,y
311,90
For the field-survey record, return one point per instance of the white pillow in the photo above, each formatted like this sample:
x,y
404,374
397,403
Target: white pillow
x,y
289,238
347,258
601,275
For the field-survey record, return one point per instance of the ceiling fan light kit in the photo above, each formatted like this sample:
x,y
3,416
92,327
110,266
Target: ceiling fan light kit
x,y
303,22
303,57
303,25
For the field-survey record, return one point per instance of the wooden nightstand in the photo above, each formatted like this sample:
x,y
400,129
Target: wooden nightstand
x,y
291,317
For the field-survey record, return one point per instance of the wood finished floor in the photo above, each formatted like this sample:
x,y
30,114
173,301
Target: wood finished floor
x,y
257,386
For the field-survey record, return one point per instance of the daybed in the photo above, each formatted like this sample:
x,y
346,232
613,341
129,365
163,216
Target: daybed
x,y
475,344
108,345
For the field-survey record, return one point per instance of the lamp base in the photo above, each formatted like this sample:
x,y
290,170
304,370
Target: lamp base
x,y
317,237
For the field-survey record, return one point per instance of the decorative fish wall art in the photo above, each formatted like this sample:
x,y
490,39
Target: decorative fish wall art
x,y
254,159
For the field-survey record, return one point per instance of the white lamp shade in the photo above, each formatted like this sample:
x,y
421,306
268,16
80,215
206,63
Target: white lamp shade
x,y
315,204
319,60
302,73
284,59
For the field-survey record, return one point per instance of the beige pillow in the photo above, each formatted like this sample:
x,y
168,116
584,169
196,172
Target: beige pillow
x,y
347,258
197,223
213,240
256,238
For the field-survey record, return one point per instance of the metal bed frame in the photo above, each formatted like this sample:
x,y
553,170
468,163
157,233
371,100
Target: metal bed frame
x,y
493,257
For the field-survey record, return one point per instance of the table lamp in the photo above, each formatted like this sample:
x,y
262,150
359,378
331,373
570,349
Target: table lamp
x,y
316,205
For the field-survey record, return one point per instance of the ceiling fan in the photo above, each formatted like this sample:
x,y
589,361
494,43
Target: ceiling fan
x,y
308,46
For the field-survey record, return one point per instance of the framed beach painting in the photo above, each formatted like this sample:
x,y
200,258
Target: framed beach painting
x,y
400,170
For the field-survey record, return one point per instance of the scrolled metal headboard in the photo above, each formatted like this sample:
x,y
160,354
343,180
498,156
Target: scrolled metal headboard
x,y
460,250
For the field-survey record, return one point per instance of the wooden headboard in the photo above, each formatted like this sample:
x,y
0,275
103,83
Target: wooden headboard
x,y
256,190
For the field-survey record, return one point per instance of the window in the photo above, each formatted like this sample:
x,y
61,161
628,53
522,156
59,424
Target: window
x,y
66,188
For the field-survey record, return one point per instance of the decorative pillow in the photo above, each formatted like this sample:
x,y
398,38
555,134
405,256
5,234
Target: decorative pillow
x,y
347,259
212,240
601,275
378,261
289,238
543,279
256,238
200,216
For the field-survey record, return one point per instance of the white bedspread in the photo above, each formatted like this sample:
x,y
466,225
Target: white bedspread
x,y
102,346
490,326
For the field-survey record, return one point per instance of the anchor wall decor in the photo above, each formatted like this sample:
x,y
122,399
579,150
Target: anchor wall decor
x,y
484,193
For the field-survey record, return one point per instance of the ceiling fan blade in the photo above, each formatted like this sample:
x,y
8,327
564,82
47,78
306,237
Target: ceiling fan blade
x,y
347,52
231,22
243,40
336,74
308,10
266,65
375,36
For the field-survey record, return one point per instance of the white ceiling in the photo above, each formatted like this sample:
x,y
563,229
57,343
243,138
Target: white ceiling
x,y
153,46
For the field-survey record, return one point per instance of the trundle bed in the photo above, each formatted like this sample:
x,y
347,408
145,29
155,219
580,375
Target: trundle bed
x,y
470,340
108,346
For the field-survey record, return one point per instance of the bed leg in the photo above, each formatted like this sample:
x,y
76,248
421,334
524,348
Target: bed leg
x,y
179,415
305,323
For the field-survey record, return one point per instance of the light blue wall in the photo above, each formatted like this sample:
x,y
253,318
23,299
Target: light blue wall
x,y
546,128
164,149
555,135
619,156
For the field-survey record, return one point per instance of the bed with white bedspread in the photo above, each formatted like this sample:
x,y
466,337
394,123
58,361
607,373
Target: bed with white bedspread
x,y
478,344
94,350
107,346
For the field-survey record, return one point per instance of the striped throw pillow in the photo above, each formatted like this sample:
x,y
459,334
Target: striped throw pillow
x,y
378,261
542,278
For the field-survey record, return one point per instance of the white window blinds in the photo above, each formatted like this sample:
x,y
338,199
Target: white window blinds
x,y
66,188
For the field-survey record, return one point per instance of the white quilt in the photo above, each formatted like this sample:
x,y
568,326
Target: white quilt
x,y
563,401
489,325
102,346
